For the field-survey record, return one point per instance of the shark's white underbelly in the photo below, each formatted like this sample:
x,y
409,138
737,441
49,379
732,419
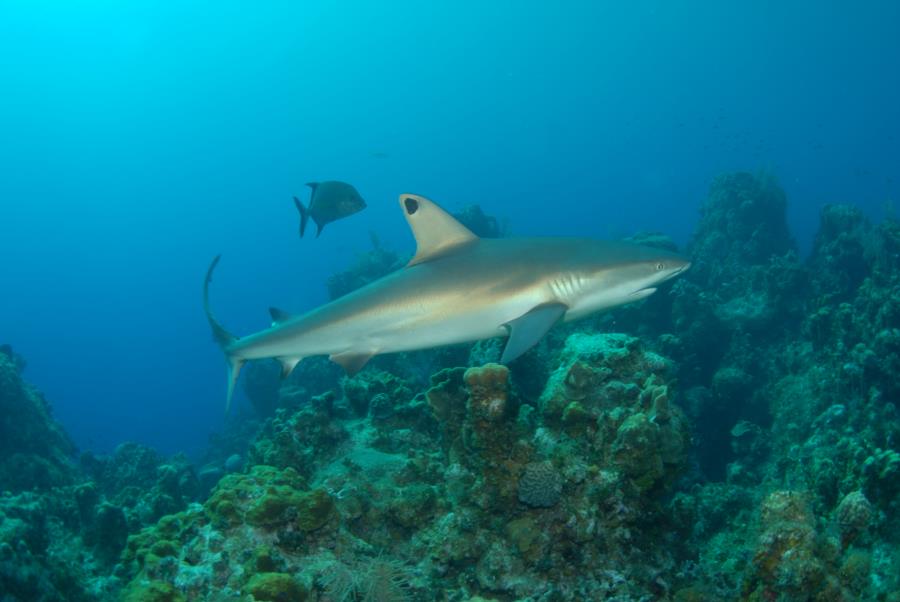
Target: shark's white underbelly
x,y
391,328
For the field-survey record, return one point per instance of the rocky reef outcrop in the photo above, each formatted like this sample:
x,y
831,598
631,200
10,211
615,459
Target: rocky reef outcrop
x,y
741,442
790,401
65,521
35,452
464,488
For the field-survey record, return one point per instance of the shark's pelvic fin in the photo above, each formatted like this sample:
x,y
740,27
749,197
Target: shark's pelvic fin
x,y
279,316
529,328
351,361
436,231
287,365
222,336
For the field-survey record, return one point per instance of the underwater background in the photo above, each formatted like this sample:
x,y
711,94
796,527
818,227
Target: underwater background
x,y
732,437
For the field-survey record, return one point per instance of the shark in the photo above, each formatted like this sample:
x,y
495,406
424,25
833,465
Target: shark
x,y
456,288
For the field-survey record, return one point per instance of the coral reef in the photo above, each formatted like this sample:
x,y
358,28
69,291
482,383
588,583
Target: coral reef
x,y
35,453
393,495
481,224
794,409
64,525
742,442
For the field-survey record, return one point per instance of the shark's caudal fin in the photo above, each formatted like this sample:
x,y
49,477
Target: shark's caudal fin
x,y
436,231
222,336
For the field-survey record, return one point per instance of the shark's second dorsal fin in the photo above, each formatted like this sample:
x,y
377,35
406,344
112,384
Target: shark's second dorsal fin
x,y
436,231
279,316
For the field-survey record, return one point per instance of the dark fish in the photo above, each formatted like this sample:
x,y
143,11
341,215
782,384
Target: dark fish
x,y
330,201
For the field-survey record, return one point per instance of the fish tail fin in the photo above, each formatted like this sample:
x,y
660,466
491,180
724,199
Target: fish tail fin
x,y
304,215
222,337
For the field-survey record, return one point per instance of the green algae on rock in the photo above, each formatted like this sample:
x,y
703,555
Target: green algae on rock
x,y
276,587
152,591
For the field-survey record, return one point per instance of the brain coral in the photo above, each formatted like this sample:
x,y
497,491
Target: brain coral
x,y
540,485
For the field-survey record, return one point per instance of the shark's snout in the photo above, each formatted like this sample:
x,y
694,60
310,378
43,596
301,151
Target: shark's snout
x,y
676,266
665,270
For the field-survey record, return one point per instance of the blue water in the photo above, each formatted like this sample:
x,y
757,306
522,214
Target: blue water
x,y
139,139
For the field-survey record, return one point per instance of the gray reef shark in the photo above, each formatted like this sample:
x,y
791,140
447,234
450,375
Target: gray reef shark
x,y
457,288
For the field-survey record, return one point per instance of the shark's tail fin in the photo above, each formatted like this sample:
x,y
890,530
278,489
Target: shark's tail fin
x,y
224,338
304,215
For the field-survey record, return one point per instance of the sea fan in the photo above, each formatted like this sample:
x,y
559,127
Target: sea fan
x,y
385,581
375,580
340,583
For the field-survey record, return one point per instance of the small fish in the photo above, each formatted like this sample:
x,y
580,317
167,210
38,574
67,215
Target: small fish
x,y
329,201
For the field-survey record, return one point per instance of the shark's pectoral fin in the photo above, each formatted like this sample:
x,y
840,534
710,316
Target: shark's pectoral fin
x,y
351,361
287,365
526,330
436,231
279,316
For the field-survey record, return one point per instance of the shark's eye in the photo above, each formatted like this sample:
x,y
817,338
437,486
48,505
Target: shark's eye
x,y
660,266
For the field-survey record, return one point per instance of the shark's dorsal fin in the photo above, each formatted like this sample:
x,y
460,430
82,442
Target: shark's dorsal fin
x,y
436,231
351,361
279,316
529,328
